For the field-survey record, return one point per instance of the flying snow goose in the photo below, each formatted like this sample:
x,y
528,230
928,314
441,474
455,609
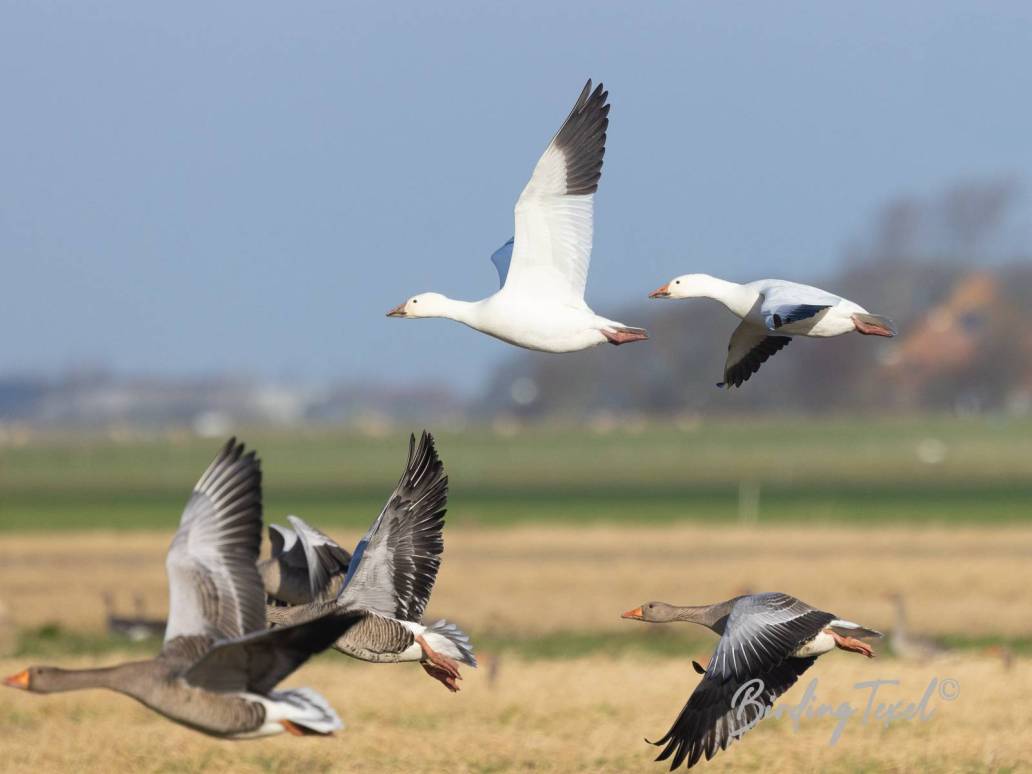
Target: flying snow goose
x,y
219,663
305,565
543,269
391,575
772,312
767,640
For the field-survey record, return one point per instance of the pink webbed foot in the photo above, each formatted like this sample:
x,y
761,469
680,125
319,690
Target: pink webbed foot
x,y
620,336
852,644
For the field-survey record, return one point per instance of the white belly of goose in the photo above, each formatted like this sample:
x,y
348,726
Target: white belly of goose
x,y
818,646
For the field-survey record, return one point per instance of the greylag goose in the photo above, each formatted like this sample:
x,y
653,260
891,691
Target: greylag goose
x,y
904,644
540,304
305,565
772,312
768,638
391,575
219,663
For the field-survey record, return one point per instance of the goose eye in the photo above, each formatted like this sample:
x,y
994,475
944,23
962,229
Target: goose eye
x,y
677,282
415,300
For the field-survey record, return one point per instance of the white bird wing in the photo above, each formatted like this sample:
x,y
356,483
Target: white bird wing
x,y
555,212
213,583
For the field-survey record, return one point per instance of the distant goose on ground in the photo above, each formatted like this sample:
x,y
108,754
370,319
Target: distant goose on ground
x,y
543,269
772,312
137,627
305,565
906,645
219,664
766,642
390,577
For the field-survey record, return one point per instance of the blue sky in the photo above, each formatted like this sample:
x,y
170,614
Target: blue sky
x,y
250,186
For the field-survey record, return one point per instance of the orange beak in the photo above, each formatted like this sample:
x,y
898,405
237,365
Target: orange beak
x,y
398,311
635,614
663,292
20,680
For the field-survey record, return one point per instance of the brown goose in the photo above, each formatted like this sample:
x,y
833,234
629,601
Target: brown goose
x,y
766,642
306,564
219,664
390,577
905,644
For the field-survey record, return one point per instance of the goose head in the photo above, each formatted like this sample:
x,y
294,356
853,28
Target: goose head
x,y
423,305
37,679
653,612
686,286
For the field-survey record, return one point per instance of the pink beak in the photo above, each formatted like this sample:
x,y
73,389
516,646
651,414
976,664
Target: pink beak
x,y
663,292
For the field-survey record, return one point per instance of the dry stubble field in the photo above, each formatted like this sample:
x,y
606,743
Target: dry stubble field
x,y
588,710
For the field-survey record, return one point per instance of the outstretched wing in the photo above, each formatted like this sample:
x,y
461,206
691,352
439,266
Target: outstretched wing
x,y
394,566
555,212
501,258
750,347
713,718
258,661
324,559
214,587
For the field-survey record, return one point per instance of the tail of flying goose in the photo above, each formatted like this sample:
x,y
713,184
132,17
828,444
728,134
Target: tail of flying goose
x,y
447,638
303,712
850,629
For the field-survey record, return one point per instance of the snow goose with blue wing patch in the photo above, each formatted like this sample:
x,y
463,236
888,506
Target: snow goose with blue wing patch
x,y
772,312
543,269
219,663
390,577
766,642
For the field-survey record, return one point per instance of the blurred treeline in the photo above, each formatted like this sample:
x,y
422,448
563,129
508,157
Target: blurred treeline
x,y
953,271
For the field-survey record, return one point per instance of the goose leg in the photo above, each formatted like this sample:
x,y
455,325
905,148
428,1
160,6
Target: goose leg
x,y
439,666
851,644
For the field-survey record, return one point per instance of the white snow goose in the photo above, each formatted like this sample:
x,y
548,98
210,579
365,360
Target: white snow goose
x,y
543,269
770,638
772,312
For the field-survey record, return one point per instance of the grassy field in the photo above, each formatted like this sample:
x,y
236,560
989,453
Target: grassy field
x,y
830,471
585,715
551,535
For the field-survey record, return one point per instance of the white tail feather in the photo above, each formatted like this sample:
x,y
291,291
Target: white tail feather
x,y
449,639
304,707
851,629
